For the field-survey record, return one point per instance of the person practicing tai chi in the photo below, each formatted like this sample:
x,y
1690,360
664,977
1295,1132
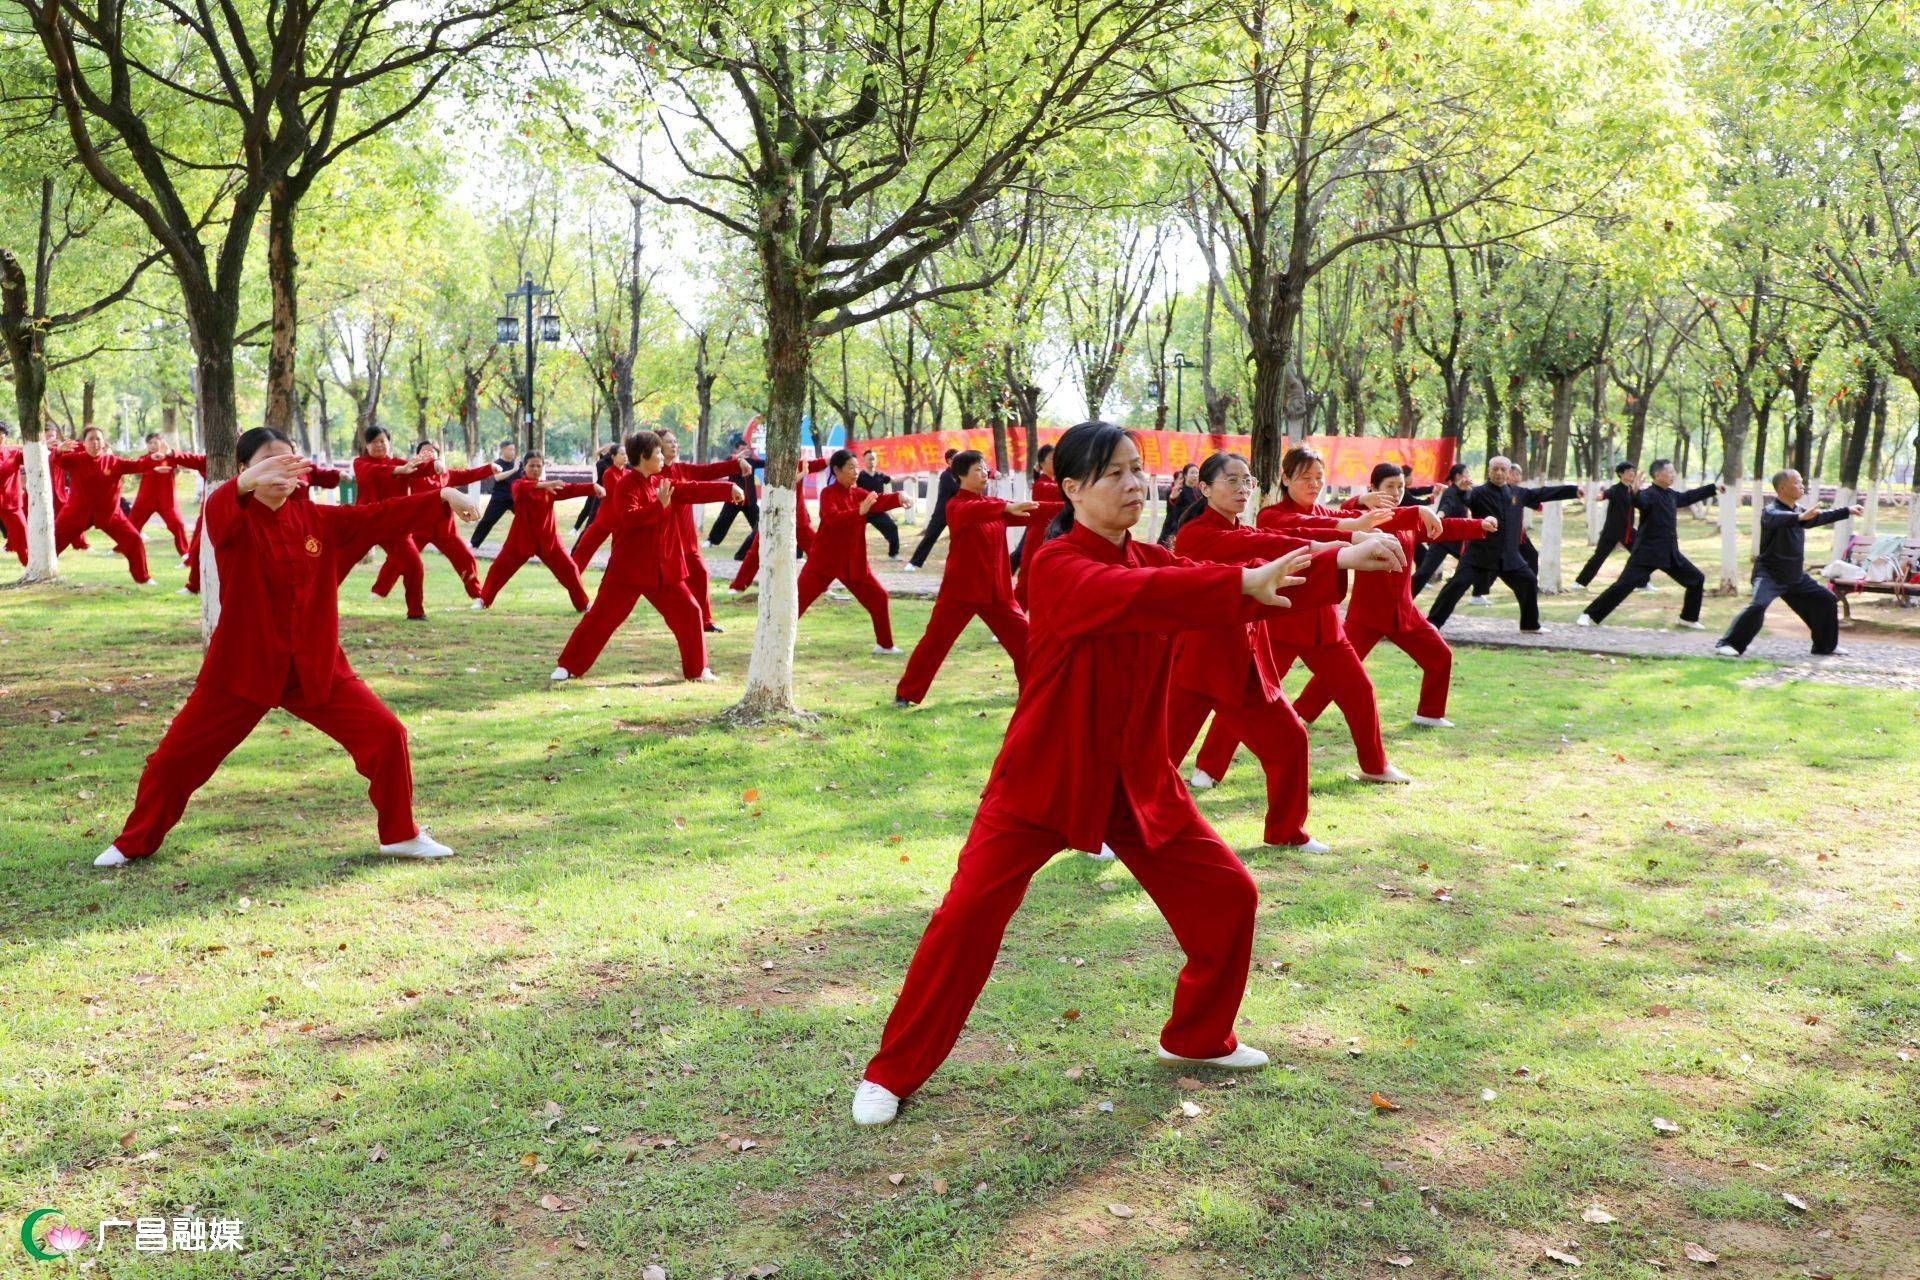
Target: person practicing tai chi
x,y
1616,527
379,475
507,469
802,532
944,490
13,497
1230,671
1780,572
62,483
647,561
1498,555
156,495
1656,546
978,581
1085,760
749,510
1314,636
1450,505
1045,490
609,469
840,546
1382,609
874,480
277,644
533,533
436,527
735,470
93,474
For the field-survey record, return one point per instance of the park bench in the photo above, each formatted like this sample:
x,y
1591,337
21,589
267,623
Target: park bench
x,y
1894,561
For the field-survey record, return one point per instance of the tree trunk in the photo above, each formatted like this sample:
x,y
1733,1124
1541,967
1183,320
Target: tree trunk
x,y
25,344
283,276
1516,421
1559,442
1490,396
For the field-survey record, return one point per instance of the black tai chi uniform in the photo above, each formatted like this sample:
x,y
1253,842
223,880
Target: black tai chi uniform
x,y
1451,505
499,497
949,485
749,508
881,482
1616,530
1779,573
1656,547
1498,555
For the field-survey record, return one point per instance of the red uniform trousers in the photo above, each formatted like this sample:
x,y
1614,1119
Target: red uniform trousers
x,y
513,555
611,607
865,588
944,625
73,522
1275,735
1345,676
451,545
403,562
700,582
1423,644
144,509
1195,879
589,542
15,526
212,722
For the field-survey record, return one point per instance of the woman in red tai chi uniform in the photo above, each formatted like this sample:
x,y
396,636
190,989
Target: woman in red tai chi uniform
x,y
436,527
1382,609
94,473
840,546
978,581
1315,636
646,562
156,495
729,469
533,533
802,535
277,644
1231,673
1085,760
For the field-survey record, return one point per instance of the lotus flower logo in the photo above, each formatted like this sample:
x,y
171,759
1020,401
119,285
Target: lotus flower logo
x,y
66,1240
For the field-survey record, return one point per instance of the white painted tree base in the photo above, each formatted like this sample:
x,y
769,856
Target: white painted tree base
x,y
1843,531
1730,538
43,564
1552,535
768,696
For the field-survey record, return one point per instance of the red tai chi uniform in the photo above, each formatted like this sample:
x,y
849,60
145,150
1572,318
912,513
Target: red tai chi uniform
x,y
647,562
684,532
436,530
1085,761
95,501
277,644
598,529
977,583
1382,608
375,482
321,477
1316,638
533,533
840,551
156,496
803,527
62,490
13,501
1046,491
1231,671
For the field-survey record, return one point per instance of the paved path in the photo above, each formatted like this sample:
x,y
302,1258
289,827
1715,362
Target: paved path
x,y
1884,664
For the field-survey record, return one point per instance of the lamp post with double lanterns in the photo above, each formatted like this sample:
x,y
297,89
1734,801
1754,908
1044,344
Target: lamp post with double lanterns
x,y
1180,365
507,330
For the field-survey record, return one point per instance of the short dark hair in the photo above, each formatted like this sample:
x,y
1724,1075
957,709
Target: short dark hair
x,y
252,441
1455,471
839,459
1659,463
965,461
641,444
509,444
418,445
1385,471
151,435
373,433
950,453
1622,468
1298,457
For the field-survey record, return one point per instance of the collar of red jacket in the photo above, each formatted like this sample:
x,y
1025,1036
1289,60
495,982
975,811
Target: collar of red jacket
x,y
1098,547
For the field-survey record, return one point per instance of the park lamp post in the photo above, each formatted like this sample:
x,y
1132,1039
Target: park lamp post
x,y
1180,365
507,331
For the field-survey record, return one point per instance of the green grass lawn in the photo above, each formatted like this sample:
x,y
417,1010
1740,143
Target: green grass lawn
x,y
1620,891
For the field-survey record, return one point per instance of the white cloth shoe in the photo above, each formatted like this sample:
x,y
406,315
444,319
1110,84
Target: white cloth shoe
x,y
422,845
1484,602
1433,722
705,677
1691,626
559,674
477,605
1726,651
1309,845
909,567
1584,621
894,652
1243,1058
1105,854
873,1104
1388,776
1201,780
183,592
112,858
1835,652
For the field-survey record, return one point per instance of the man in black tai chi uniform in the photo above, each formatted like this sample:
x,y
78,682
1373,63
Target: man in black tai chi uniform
x,y
1498,554
1657,547
1780,573
1451,505
1616,528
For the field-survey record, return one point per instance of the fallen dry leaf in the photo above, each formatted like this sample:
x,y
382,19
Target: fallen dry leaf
x,y
553,1203
654,1272
1564,1259
1403,1260
1074,1073
377,1154
939,1186
1659,1011
1699,1253
1665,1125
750,795
1381,1102
1794,1201
1120,1210
1595,1214
896,1178
1189,1083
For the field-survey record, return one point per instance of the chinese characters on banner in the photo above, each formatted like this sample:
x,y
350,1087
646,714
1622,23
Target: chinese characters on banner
x,y
1349,458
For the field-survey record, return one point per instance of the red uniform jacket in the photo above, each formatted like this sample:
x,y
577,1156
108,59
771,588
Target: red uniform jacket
x,y
685,535
1310,628
96,479
1225,663
646,553
840,545
1046,489
533,525
375,479
439,521
1383,602
979,570
156,486
278,593
12,495
609,480
809,467
1092,714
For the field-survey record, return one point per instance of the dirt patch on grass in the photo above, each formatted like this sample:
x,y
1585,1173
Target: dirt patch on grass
x,y
1041,1242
